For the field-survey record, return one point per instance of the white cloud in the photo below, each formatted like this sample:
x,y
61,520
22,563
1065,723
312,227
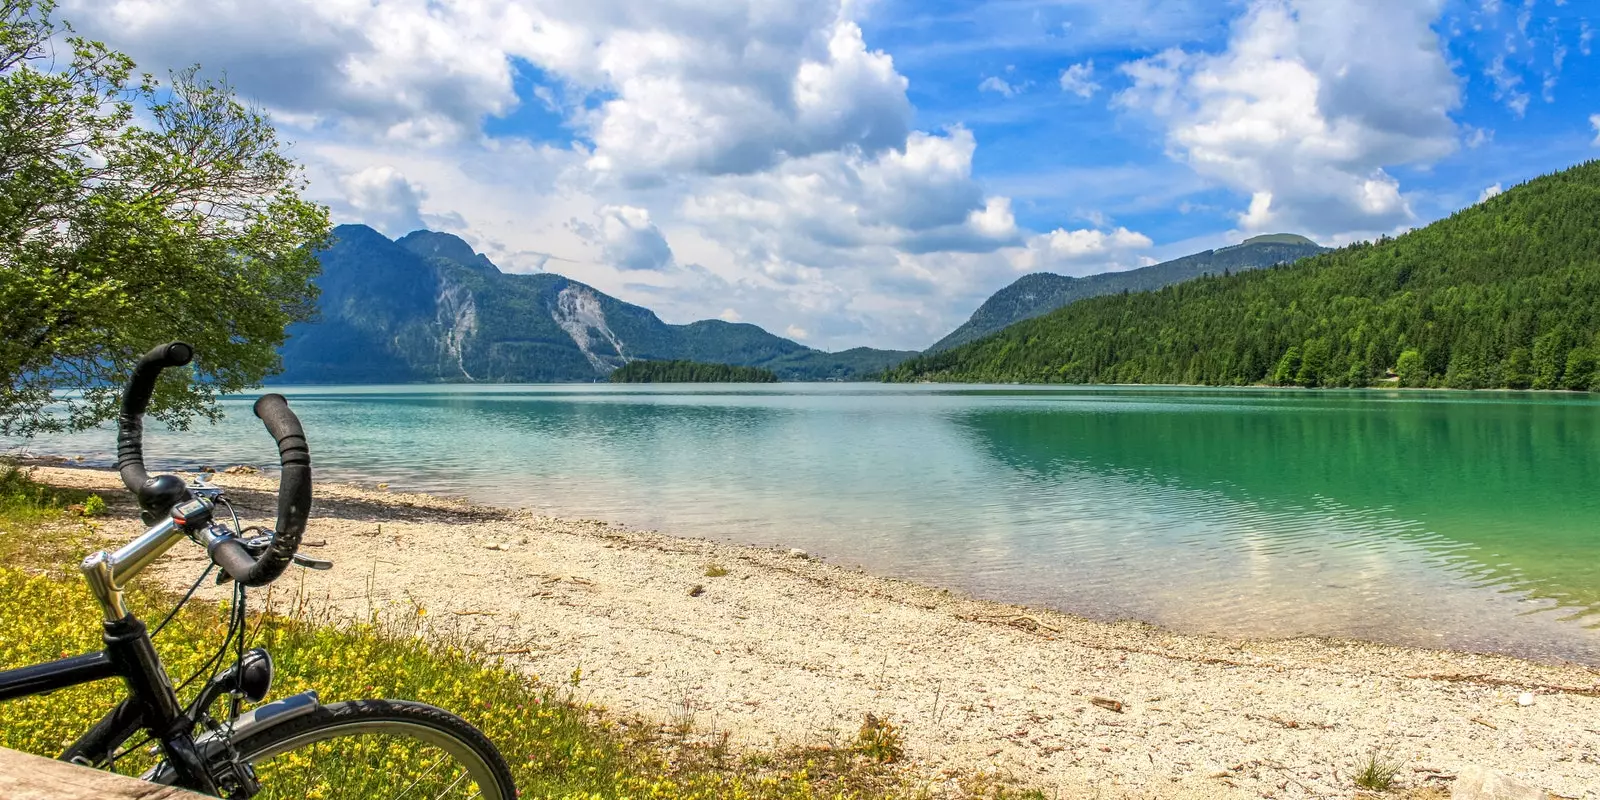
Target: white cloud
x,y
1082,252
1492,191
381,197
754,155
1305,109
408,70
627,238
729,315
678,85
1594,120
1507,86
999,86
796,332
1079,80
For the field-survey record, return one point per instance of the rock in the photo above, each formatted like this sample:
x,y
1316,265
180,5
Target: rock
x,y
1525,699
696,590
795,552
1477,783
383,487
496,546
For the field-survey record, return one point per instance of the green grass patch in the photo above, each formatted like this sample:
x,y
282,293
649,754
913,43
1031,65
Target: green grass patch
x,y
558,746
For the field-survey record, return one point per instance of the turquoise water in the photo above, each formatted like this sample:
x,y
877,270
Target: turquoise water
x,y
1469,521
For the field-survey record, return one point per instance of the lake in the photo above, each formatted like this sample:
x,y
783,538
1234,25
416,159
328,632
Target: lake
x,y
1460,520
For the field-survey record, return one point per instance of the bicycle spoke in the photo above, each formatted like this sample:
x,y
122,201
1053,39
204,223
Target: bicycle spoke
x,y
420,778
452,786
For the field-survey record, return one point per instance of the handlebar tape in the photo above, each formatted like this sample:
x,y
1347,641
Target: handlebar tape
x,y
294,500
135,401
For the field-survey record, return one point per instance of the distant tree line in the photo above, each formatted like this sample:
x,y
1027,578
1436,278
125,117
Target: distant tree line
x,y
689,372
1503,294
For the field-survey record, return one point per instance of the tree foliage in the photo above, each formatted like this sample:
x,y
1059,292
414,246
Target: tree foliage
x,y
116,236
689,372
1503,294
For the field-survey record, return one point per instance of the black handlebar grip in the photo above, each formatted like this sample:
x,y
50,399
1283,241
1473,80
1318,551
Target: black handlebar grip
x,y
135,400
294,492
231,556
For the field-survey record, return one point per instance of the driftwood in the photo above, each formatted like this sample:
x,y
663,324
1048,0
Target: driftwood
x,y
27,777
1107,703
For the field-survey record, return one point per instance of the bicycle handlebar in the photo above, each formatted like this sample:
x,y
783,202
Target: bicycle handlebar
x,y
130,423
158,495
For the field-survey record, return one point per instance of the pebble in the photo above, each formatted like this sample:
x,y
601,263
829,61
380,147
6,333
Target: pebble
x,y
1526,699
1477,783
795,552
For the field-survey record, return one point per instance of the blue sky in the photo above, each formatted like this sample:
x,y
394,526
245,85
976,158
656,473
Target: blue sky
x,y
1063,157
865,172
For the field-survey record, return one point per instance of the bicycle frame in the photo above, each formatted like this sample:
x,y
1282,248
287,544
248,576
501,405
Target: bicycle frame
x,y
152,703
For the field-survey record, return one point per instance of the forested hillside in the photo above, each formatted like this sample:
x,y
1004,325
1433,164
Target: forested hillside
x,y
689,372
1042,292
1502,294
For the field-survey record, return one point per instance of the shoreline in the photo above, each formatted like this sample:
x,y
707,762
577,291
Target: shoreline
x,y
798,650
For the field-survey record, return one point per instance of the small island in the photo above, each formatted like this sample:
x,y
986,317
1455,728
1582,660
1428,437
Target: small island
x,y
689,372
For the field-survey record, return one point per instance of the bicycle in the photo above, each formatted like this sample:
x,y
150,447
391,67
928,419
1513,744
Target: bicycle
x,y
226,753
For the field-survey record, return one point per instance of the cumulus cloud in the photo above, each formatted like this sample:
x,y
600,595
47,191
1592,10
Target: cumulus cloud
x,y
796,332
1594,121
769,143
382,197
1079,80
1491,191
1082,252
627,238
409,70
718,87
1305,109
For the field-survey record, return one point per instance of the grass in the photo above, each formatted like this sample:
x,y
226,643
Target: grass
x,y
716,571
1377,774
558,746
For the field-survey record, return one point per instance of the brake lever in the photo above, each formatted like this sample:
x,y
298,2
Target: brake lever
x,y
257,545
312,563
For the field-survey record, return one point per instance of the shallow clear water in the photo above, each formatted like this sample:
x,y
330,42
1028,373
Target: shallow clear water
x,y
1469,521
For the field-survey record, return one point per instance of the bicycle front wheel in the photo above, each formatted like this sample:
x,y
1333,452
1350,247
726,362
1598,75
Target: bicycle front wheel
x,y
377,749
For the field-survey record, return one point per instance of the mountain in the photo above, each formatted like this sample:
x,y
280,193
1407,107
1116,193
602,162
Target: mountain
x,y
1505,293
1042,292
429,308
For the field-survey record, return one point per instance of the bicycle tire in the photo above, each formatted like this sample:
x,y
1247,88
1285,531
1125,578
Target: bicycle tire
x,y
402,718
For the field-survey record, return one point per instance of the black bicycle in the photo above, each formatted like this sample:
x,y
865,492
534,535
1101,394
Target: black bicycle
x,y
295,747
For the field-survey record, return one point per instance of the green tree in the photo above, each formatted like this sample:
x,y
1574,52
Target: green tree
x,y
116,236
1580,369
1410,369
1288,368
1550,357
1519,368
1312,364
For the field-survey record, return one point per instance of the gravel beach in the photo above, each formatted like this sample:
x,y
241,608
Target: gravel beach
x,y
785,647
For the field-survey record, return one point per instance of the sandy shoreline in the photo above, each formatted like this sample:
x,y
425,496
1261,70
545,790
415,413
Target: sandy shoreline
x,y
796,650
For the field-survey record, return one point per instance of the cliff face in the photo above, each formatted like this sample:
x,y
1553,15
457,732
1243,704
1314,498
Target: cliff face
x,y
428,308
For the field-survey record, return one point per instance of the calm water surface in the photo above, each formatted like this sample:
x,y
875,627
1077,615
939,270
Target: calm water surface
x,y
1469,521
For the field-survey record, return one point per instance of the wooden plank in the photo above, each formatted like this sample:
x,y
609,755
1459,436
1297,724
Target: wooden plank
x,y
28,777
